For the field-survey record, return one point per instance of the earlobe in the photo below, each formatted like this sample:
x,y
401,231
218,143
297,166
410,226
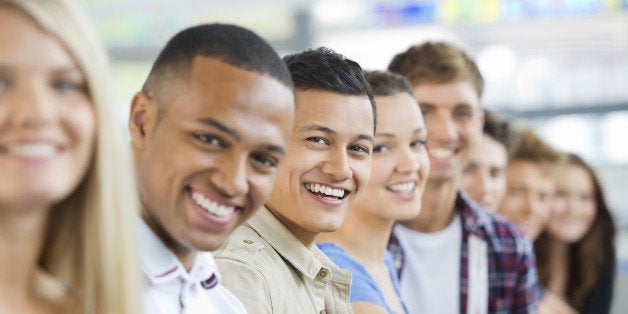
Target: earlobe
x,y
141,119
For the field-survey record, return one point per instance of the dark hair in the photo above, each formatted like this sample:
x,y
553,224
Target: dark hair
x,y
501,130
437,62
386,83
324,69
591,257
231,44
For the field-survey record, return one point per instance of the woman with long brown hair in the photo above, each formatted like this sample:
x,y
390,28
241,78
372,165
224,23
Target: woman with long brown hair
x,y
576,253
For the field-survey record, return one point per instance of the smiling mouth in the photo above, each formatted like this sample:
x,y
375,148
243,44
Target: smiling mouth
x,y
31,150
405,187
441,153
326,191
213,208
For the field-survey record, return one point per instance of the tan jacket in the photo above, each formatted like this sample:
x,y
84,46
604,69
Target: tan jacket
x,y
270,271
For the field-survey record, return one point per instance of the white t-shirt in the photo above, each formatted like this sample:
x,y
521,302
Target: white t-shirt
x,y
430,282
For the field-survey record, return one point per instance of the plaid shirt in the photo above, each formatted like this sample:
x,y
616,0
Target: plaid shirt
x,y
513,284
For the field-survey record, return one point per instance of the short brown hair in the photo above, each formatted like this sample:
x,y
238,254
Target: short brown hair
x,y
533,149
437,62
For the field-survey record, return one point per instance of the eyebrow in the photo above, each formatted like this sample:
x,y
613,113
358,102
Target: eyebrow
x,y
216,124
233,134
274,148
324,129
365,137
317,127
458,104
419,130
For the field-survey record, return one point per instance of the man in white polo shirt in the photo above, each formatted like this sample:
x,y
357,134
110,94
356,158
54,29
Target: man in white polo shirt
x,y
208,130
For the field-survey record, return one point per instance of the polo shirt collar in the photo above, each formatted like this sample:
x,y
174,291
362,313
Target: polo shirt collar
x,y
161,265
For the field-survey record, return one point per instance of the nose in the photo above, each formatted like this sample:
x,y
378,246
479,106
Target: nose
x,y
31,106
337,165
441,127
407,161
231,177
534,205
482,182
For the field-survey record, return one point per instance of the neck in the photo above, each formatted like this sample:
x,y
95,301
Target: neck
x,y
363,236
558,266
437,207
304,236
22,235
185,255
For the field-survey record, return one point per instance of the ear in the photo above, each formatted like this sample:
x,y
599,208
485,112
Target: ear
x,y
142,119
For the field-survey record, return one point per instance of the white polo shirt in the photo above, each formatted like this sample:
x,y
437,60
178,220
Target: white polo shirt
x,y
170,289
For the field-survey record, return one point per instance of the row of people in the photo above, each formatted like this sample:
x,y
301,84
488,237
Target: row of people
x,y
291,171
556,199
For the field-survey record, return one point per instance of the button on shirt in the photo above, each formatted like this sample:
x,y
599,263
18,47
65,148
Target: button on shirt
x,y
171,289
272,272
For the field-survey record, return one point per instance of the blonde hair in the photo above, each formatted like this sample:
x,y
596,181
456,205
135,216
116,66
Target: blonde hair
x,y
91,242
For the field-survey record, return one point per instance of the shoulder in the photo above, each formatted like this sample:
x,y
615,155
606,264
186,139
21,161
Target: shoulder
x,y
363,287
340,257
241,262
244,246
499,233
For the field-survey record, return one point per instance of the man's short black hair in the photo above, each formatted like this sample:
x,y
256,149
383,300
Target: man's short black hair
x,y
501,130
386,83
231,44
325,70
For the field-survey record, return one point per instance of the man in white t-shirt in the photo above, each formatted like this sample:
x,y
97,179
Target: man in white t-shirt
x,y
208,130
455,257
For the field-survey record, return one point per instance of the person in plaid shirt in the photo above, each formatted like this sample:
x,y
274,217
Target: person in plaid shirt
x,y
455,256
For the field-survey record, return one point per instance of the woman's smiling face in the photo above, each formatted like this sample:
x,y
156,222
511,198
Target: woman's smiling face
x,y
400,161
47,123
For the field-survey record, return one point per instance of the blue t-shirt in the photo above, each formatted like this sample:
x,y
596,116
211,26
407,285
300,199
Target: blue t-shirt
x,y
363,287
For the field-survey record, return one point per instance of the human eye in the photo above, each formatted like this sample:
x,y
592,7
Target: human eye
x,y
463,112
65,85
425,110
495,172
209,140
360,149
417,143
381,148
585,197
266,162
317,140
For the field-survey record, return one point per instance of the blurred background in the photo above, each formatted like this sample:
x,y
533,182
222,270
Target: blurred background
x,y
561,66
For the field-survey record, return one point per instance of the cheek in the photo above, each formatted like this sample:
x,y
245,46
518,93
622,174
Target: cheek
x,y
80,123
510,204
590,213
362,172
260,188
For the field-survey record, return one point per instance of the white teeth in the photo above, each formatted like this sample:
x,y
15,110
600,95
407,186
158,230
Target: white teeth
x,y
212,207
439,152
403,187
33,150
326,190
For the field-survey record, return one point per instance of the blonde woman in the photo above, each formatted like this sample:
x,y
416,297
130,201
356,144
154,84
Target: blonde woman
x,y
67,209
398,176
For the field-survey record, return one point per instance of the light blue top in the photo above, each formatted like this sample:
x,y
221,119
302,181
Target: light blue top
x,y
363,287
